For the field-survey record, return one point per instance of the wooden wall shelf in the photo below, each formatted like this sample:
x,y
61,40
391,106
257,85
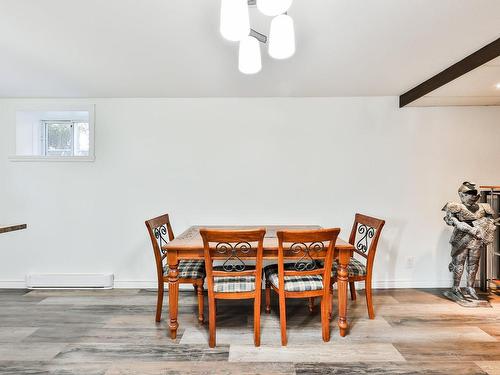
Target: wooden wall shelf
x,y
12,228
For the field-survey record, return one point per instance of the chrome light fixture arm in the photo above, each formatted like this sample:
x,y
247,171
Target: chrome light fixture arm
x,y
259,36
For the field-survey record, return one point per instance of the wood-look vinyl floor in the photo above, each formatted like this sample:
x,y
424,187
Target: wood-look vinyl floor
x,y
113,332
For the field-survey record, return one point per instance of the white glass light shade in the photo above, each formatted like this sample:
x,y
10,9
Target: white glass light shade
x,y
273,7
234,19
249,59
282,37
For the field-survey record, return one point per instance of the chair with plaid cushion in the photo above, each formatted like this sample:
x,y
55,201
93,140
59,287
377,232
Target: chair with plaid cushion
x,y
234,279
364,236
308,277
189,271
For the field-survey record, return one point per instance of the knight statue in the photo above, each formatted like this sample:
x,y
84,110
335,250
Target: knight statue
x,y
473,227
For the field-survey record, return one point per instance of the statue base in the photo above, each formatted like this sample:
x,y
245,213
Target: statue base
x,y
465,302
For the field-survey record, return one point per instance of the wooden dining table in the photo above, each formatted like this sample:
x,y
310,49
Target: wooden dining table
x,y
189,245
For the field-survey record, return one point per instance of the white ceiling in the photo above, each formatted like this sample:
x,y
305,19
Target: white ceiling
x,y
172,48
478,87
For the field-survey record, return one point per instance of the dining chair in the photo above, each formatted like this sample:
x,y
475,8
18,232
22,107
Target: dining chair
x,y
364,237
308,277
189,271
234,279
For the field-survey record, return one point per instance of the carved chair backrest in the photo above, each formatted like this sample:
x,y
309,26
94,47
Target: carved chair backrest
x,y
235,248
160,233
307,248
364,237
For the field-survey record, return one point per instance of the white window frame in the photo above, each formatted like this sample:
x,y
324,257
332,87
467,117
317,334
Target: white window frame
x,y
48,108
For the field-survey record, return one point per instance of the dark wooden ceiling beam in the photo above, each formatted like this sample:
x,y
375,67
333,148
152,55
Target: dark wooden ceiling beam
x,y
478,58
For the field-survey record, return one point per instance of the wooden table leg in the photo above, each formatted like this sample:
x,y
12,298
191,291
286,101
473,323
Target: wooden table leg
x,y
173,292
342,282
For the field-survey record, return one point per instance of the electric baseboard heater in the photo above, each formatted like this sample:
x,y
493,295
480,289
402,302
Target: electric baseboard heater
x,y
69,281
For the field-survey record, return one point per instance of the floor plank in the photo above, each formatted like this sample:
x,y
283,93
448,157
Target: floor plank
x,y
327,352
53,368
490,367
388,368
141,352
202,368
450,351
98,335
491,329
29,352
15,334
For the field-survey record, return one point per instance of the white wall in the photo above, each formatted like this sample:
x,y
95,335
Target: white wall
x,y
28,133
245,161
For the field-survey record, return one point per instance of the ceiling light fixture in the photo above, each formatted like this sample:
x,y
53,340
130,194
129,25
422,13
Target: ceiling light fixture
x,y
249,60
273,8
282,37
498,86
235,26
234,19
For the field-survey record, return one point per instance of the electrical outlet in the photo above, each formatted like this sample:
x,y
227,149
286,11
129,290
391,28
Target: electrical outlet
x,y
410,262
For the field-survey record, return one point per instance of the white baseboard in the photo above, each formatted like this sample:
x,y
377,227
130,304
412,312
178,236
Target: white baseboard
x,y
129,284
136,284
408,284
12,284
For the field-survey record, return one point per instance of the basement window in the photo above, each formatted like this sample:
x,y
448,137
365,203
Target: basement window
x,y
65,138
54,136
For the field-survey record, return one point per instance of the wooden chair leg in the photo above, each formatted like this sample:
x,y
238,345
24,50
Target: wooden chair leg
x,y
256,318
325,321
195,286
199,290
330,310
369,300
211,321
352,288
159,302
268,298
311,304
283,319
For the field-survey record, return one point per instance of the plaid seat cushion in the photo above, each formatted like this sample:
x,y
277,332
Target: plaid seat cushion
x,y
293,283
355,268
189,269
234,284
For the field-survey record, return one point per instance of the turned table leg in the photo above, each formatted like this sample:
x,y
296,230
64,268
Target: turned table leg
x,y
173,292
342,282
